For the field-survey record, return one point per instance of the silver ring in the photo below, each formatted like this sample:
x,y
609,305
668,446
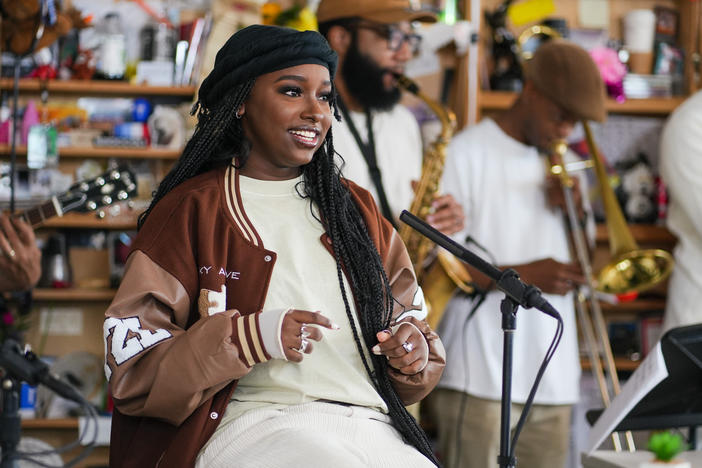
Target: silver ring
x,y
11,253
408,346
303,346
304,333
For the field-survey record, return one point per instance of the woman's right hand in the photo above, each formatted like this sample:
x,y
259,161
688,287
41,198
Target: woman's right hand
x,y
297,331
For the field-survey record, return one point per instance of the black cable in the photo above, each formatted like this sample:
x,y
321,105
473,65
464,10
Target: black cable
x,y
527,405
464,395
91,415
478,298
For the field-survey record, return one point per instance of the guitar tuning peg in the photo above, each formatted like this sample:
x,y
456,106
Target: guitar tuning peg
x,y
122,195
106,200
100,214
130,204
100,181
92,206
115,175
84,187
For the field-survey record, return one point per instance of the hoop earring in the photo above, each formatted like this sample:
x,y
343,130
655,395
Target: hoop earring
x,y
237,114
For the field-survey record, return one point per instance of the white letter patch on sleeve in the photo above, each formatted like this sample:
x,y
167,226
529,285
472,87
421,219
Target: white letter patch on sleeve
x,y
124,348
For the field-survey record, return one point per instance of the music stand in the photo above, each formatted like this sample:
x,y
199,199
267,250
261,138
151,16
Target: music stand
x,y
676,401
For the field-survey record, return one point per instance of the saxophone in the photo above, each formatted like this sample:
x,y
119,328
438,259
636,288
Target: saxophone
x,y
447,273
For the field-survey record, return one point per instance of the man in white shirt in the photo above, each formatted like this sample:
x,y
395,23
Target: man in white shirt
x,y
681,169
497,171
378,138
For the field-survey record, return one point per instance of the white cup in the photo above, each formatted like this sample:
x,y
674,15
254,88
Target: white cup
x,y
639,30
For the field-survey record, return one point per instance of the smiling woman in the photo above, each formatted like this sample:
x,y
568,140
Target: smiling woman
x,y
292,358
288,117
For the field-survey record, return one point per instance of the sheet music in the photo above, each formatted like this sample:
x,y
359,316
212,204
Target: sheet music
x,y
649,374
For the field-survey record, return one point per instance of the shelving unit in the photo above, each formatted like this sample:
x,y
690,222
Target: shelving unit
x,y
84,307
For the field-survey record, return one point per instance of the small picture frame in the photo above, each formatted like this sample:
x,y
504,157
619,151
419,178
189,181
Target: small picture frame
x,y
666,25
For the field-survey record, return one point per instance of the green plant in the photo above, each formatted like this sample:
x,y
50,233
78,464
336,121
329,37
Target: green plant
x,y
666,445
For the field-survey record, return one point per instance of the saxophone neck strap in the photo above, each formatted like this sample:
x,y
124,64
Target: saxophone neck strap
x,y
369,154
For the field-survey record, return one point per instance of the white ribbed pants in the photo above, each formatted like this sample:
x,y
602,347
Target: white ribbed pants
x,y
311,435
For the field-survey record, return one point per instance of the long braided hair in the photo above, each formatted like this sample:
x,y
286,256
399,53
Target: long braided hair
x,y
217,139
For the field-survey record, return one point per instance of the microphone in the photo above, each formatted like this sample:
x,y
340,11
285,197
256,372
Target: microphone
x,y
29,368
507,281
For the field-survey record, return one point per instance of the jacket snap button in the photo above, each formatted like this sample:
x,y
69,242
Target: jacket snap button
x,y
214,415
267,258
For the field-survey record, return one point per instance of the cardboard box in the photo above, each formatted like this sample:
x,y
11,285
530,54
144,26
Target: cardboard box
x,y
90,267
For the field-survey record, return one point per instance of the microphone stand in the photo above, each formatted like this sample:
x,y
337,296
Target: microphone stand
x,y
517,293
508,308
9,421
23,366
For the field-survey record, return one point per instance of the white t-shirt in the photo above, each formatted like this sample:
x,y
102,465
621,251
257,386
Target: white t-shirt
x,y
681,169
398,148
304,277
500,184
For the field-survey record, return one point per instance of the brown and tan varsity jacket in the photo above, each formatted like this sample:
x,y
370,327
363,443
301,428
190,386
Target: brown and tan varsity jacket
x,y
174,343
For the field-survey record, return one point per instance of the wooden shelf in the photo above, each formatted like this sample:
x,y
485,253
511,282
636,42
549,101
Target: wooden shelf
x,y
638,305
63,423
644,304
124,222
620,362
643,234
104,88
501,100
73,294
103,152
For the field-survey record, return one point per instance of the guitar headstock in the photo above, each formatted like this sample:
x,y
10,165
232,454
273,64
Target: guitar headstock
x,y
115,185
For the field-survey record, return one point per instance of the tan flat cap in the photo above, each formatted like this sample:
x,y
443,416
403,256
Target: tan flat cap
x,y
566,74
381,11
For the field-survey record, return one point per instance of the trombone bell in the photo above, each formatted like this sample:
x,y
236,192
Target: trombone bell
x,y
631,269
635,271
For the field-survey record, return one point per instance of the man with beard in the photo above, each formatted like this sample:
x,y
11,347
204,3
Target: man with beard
x,y
378,138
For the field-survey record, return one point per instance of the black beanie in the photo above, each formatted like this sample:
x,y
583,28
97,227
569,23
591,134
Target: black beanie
x,y
257,50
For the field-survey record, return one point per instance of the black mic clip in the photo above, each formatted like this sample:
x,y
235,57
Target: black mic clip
x,y
27,367
526,295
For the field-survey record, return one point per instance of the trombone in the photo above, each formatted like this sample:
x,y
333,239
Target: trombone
x,y
631,269
586,302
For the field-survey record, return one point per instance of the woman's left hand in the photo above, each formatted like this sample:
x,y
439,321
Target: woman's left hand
x,y
407,350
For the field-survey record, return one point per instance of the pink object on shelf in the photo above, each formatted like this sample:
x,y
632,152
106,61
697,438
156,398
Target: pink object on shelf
x,y
30,117
612,71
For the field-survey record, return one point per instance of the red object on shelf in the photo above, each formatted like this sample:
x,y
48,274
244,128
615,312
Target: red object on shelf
x,y
628,297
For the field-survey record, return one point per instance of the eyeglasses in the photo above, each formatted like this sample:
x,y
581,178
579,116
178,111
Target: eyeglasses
x,y
394,35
